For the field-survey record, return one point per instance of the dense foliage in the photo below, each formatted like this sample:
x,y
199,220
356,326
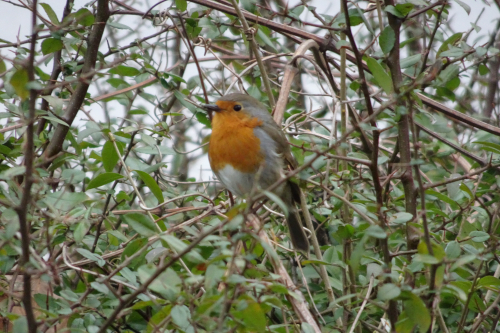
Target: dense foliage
x,y
112,222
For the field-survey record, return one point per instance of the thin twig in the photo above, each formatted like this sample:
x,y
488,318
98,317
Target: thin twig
x,y
365,300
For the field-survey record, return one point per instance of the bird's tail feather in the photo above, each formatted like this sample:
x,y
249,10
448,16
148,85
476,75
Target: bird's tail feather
x,y
297,233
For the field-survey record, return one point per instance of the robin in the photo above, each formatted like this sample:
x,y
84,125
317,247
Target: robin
x,y
248,148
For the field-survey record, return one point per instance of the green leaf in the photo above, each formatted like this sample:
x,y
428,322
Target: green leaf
x,y
314,262
56,120
426,259
489,282
154,150
439,252
476,304
402,217
46,302
355,17
80,231
166,284
203,118
416,310
175,78
213,275
119,26
179,246
467,190
50,13
100,287
18,81
483,70
118,235
380,75
132,248
403,325
404,8
388,291
391,9
263,38
410,61
443,197
5,150
65,201
181,317
463,260
453,52
103,179
405,42
151,184
84,17
296,12
376,231
158,318
453,83
450,41
252,315
20,325
449,73
3,67
479,236
51,45
92,256
181,98
110,157
124,71
56,103
387,39
453,250
142,224
181,5
10,173
495,146
465,6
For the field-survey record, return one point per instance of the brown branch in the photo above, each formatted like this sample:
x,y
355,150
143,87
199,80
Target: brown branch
x,y
466,176
452,145
459,116
428,50
484,314
22,209
200,73
78,97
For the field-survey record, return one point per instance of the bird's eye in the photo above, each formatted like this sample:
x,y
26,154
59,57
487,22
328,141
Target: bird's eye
x,y
237,107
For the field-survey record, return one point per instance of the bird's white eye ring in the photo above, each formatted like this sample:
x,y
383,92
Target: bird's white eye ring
x,y
237,107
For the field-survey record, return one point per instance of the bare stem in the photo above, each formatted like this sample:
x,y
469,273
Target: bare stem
x,y
22,209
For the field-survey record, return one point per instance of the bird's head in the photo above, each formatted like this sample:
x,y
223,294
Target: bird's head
x,y
238,105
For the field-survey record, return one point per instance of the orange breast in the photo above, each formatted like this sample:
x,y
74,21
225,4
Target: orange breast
x,y
233,142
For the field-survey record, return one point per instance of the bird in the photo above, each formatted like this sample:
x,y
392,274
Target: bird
x,y
248,148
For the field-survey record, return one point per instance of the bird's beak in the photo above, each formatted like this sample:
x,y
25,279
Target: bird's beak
x,y
211,107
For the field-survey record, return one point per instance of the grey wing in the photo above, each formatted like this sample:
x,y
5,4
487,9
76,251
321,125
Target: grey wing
x,y
269,174
283,148
287,159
